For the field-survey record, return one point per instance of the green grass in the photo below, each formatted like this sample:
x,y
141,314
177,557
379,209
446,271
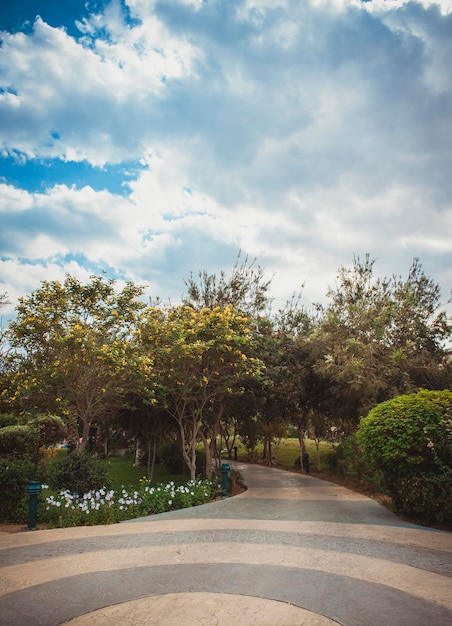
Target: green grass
x,y
122,472
288,451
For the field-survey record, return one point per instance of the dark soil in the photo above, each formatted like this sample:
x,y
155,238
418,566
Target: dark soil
x,y
12,528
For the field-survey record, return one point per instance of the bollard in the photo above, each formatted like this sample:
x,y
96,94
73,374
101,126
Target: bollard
x,y
224,479
33,489
306,462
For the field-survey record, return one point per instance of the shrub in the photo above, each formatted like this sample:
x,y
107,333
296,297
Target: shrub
x,y
408,441
26,439
396,435
170,456
426,497
14,475
346,459
78,472
7,420
19,440
51,429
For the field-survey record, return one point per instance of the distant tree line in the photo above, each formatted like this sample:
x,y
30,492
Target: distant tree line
x,y
222,364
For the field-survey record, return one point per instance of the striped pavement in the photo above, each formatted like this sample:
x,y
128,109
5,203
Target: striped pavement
x,y
291,550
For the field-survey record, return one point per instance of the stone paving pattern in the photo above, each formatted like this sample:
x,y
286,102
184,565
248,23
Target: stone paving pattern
x,y
291,550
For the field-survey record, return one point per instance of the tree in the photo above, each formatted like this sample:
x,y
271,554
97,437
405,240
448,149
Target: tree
x,y
246,289
203,358
292,349
75,351
4,369
420,330
382,337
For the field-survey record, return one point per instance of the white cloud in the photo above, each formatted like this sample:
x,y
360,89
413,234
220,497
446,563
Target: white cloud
x,y
298,133
88,95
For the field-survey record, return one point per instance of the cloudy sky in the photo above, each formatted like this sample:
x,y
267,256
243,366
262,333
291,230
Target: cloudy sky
x,y
147,138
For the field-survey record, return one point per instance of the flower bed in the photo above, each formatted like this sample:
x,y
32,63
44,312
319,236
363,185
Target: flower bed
x,y
106,506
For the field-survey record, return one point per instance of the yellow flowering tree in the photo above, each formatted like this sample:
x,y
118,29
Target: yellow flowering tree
x,y
202,357
75,351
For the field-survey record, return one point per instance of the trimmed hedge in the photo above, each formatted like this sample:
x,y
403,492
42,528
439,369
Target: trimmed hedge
x,y
407,442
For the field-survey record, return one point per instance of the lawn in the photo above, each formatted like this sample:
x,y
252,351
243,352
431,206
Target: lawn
x,y
287,451
121,472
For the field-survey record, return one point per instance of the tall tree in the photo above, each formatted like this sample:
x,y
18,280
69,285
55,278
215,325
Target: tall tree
x,y
76,350
246,289
202,358
420,330
382,337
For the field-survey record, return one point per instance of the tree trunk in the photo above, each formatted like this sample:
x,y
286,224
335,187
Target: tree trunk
x,y
302,444
72,431
189,455
151,463
210,446
85,434
140,451
317,445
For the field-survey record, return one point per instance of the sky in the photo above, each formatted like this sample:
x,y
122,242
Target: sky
x,y
145,139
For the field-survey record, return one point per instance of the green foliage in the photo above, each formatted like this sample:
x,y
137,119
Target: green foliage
x,y
394,436
91,353
73,349
15,473
425,497
106,506
51,429
169,454
78,472
382,337
26,439
408,441
19,440
7,420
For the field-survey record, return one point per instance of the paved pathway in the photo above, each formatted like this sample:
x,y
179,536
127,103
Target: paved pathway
x,y
292,550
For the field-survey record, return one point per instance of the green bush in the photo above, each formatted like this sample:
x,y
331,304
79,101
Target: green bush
x,y
19,440
7,420
78,472
51,429
408,442
396,435
170,456
26,439
426,497
14,475
346,459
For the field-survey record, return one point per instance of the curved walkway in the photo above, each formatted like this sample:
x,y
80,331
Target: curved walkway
x,y
291,550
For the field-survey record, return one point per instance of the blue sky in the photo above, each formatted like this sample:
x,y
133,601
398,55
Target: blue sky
x,y
147,139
